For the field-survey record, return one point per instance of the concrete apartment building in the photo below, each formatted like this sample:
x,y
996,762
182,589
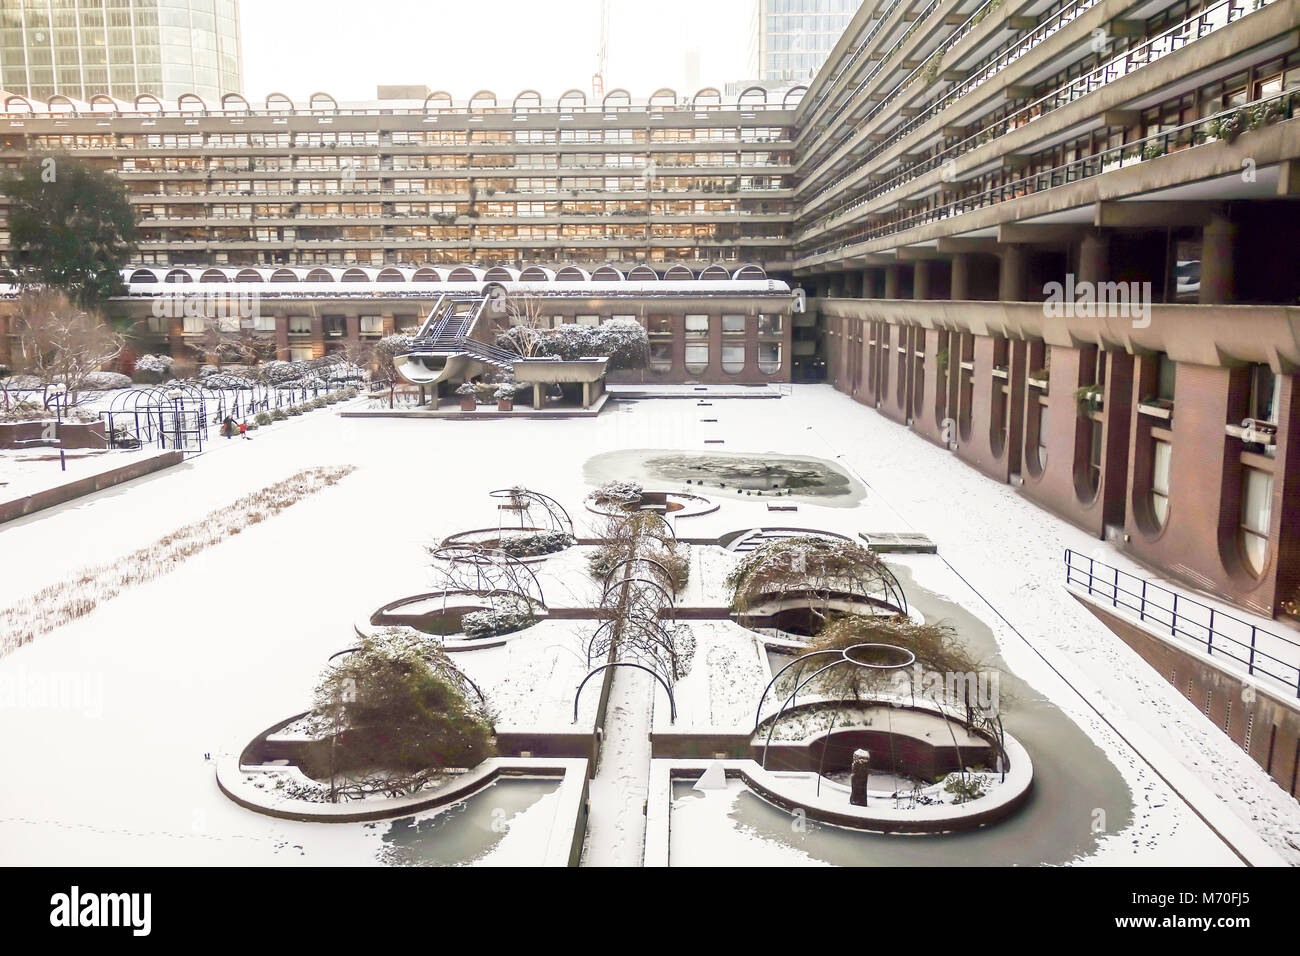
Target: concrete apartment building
x,y
954,160
955,171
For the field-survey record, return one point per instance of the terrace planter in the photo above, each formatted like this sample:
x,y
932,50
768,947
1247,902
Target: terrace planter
x,y
468,403
505,404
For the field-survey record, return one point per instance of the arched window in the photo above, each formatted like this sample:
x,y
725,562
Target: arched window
x,y
248,275
354,275
769,357
284,275
143,277
319,275
390,275
213,275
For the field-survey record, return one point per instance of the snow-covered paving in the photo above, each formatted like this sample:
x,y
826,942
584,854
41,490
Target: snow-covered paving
x,y
233,639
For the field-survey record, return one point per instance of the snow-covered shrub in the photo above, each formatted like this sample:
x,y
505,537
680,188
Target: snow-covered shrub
x,y
466,388
26,411
964,788
505,619
105,381
506,391
263,418
624,341
626,493
295,409
279,415
533,543
153,368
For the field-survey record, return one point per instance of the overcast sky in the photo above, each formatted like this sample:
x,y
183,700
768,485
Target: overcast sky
x,y
348,47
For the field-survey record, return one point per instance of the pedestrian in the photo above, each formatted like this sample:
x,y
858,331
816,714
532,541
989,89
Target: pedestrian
x,y
228,427
243,431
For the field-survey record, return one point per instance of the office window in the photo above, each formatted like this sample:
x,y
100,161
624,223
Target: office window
x,y
769,357
733,325
697,358
697,326
733,359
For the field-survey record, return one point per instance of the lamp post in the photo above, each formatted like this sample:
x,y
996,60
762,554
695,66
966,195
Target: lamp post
x,y
58,389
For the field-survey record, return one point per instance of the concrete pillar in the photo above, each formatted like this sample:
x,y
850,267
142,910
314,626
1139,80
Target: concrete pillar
x,y
922,279
892,283
586,395
538,395
282,336
1094,257
961,266
1218,276
1013,273
870,284
317,336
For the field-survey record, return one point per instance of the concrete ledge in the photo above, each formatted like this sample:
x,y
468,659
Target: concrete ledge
x,y
775,789
63,493
489,412
573,797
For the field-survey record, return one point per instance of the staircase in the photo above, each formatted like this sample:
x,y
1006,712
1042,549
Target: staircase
x,y
445,335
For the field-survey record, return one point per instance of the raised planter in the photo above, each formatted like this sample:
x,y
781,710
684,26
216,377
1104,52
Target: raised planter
x,y
70,434
468,403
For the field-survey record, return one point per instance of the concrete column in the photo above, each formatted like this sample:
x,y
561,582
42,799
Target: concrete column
x,y
1013,273
870,284
1094,257
537,395
586,395
1218,276
892,283
282,336
922,279
961,265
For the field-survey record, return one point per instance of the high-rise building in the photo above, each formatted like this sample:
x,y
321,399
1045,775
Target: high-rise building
x,y
122,48
794,37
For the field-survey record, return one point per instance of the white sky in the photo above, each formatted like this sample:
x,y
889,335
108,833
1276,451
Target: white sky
x,y
348,47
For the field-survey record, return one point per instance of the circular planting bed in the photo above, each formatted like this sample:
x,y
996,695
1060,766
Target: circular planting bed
x,y
529,545
935,772
676,503
463,619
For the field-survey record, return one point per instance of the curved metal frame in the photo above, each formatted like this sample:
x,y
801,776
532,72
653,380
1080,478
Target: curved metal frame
x,y
843,658
555,511
477,557
672,703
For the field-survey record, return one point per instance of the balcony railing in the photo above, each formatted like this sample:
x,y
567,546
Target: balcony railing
x,y
1142,150
1262,653
1195,27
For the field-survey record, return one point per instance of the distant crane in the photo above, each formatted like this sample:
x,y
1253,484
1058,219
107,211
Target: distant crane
x,y
598,78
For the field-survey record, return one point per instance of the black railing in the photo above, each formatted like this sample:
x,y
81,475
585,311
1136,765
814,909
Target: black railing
x,y
1215,632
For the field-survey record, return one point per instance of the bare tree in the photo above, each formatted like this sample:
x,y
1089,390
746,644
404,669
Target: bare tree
x,y
527,325
61,343
231,341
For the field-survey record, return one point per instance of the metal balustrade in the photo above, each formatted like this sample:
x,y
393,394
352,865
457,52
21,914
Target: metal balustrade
x,y
1206,629
1115,157
1195,27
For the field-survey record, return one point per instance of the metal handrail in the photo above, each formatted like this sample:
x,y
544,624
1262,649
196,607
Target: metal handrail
x,y
1149,51
1180,617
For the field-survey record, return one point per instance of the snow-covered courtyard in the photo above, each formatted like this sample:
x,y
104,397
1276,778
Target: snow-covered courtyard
x,y
112,723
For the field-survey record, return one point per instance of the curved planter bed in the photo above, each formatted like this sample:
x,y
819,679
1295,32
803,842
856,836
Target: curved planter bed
x,y
680,504
491,538
440,622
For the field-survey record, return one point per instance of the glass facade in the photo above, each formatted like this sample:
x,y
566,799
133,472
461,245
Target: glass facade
x,y
79,48
796,36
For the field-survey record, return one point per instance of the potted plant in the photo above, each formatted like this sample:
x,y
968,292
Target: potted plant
x,y
467,393
505,396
